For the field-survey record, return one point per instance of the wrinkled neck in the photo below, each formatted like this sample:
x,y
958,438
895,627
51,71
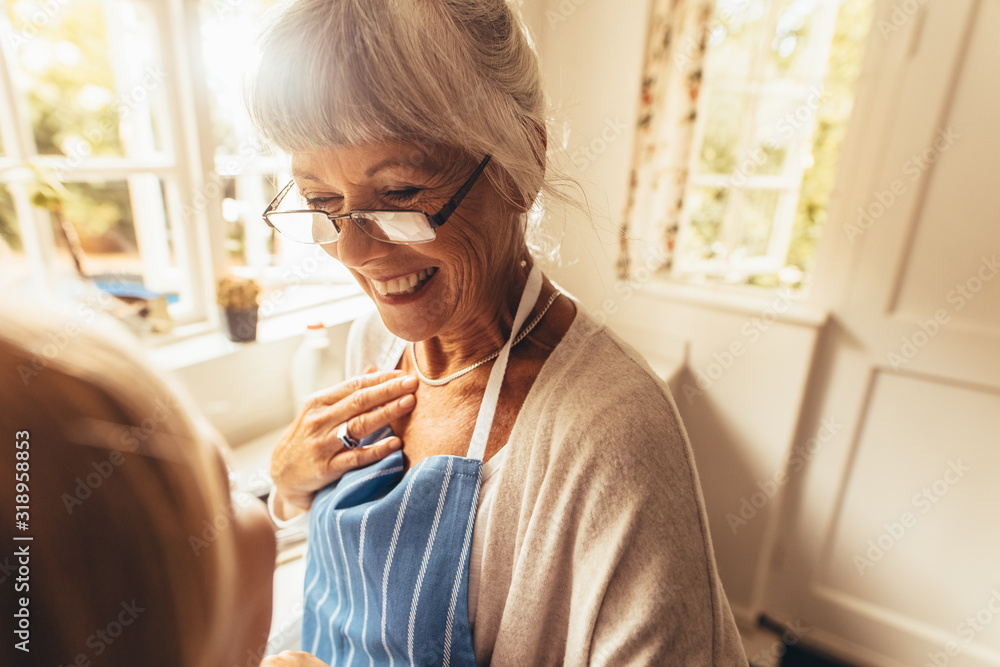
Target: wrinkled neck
x,y
486,331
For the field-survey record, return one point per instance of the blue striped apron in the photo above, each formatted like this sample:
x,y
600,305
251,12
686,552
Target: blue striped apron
x,y
387,566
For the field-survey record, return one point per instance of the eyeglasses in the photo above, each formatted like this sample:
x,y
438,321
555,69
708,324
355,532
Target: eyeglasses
x,y
404,226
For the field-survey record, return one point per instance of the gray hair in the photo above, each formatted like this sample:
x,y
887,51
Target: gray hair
x,y
439,73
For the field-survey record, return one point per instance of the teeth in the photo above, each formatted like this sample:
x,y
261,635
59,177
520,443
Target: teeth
x,y
404,285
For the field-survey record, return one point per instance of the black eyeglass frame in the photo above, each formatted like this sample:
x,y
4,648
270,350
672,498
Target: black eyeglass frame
x,y
435,220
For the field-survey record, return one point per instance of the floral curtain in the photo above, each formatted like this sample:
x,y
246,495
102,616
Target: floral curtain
x,y
671,81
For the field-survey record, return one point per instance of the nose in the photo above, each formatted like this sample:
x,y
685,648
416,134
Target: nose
x,y
354,248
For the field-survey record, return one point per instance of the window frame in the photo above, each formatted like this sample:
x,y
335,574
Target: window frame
x,y
788,184
178,171
192,171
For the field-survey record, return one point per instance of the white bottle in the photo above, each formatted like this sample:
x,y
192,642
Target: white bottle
x,y
315,365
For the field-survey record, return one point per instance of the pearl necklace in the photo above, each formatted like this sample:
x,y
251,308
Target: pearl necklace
x,y
468,369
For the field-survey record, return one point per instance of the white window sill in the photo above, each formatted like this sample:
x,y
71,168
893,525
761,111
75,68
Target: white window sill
x,y
785,305
198,343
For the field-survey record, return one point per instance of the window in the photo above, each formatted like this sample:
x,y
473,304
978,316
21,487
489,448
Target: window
x,y
775,99
126,153
247,174
91,175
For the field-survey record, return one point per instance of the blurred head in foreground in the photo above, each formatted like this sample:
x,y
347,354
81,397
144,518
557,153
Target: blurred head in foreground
x,y
139,555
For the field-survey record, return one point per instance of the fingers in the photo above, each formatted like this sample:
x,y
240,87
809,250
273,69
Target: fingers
x,y
369,422
358,458
309,456
345,389
357,409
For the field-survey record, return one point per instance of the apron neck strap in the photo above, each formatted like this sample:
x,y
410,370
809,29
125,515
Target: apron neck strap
x,y
487,411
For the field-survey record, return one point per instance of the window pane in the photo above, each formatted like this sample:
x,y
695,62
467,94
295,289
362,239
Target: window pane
x,y
757,209
235,230
14,267
724,116
294,275
116,242
779,124
10,234
228,37
92,76
708,209
734,43
766,101
100,215
853,23
249,241
791,52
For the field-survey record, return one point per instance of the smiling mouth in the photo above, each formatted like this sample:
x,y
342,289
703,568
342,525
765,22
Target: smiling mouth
x,y
404,284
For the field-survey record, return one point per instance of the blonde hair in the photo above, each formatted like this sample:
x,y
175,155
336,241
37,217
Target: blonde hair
x,y
460,74
121,482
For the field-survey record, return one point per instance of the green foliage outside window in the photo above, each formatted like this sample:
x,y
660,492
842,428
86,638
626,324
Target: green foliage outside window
x,y
833,114
732,48
74,113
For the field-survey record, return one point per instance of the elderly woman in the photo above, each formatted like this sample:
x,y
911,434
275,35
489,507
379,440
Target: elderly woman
x,y
524,492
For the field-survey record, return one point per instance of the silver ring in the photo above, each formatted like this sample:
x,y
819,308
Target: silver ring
x,y
345,439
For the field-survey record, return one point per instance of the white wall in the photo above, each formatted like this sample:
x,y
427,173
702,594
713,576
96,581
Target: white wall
x,y
591,54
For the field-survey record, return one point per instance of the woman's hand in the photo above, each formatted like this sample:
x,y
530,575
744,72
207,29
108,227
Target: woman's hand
x,y
293,659
310,456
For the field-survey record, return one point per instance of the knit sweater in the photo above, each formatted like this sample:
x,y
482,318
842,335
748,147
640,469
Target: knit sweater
x,y
598,549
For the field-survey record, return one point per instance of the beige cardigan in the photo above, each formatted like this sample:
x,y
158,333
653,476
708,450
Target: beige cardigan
x,y
598,551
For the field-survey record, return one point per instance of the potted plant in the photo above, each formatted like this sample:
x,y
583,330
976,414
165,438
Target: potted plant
x,y
238,299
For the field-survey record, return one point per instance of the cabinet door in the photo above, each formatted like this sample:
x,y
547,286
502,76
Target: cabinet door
x,y
889,551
